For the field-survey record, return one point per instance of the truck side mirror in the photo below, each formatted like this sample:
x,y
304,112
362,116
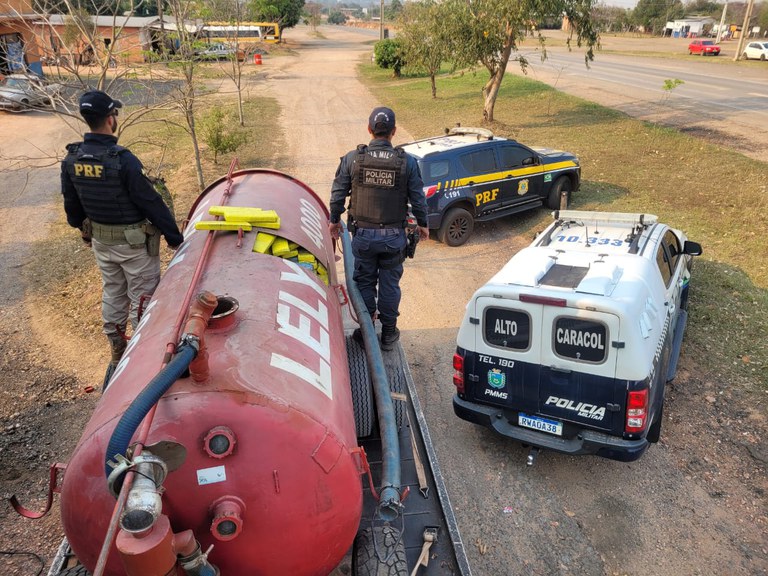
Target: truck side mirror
x,y
692,248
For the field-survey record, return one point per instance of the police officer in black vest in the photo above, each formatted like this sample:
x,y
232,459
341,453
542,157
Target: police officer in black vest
x,y
119,213
382,181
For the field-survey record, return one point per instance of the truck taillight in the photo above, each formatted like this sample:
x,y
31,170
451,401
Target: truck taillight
x,y
637,411
458,374
430,191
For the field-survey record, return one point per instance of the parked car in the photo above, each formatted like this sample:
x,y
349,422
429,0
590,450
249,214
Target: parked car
x,y
21,92
471,175
218,52
703,47
569,347
755,51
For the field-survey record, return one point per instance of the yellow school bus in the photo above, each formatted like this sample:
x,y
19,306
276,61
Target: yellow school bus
x,y
244,32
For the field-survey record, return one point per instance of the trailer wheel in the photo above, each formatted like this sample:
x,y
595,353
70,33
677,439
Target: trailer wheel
x,y
398,385
362,392
78,570
379,551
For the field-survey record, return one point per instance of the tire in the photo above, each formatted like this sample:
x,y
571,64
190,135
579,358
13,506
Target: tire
x,y
690,53
379,551
398,385
561,184
78,570
654,432
362,392
456,228
762,57
745,57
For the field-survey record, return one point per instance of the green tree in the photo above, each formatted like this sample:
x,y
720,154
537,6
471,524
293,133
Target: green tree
x,y
425,43
336,18
218,135
389,54
393,11
761,16
653,15
287,13
488,31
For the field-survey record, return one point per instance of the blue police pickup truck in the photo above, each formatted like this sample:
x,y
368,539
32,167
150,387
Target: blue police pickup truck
x,y
471,176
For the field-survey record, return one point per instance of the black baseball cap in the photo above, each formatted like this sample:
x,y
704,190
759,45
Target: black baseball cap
x,y
381,120
98,103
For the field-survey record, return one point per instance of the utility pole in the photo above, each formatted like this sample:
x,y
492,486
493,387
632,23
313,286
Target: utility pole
x,y
744,29
722,23
381,20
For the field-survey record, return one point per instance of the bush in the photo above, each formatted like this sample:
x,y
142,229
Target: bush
x,y
220,133
390,54
337,18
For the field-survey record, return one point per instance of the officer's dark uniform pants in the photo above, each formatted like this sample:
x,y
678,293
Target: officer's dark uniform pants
x,y
379,255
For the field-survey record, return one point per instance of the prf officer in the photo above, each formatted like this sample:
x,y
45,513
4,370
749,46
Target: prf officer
x,y
108,197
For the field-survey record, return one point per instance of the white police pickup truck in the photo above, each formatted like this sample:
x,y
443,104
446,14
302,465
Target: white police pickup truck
x,y
569,346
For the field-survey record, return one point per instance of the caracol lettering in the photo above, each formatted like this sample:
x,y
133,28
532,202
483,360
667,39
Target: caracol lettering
x,y
579,338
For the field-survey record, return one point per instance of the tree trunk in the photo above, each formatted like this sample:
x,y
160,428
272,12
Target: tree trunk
x,y
497,70
434,86
240,106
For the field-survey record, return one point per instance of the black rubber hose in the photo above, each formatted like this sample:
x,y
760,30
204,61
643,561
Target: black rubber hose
x,y
142,404
389,495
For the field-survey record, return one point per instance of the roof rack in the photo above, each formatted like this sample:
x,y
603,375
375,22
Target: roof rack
x,y
607,217
481,133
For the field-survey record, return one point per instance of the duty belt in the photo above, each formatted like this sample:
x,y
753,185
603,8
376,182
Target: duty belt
x,y
395,225
114,234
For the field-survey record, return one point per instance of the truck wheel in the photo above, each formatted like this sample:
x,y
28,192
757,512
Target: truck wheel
x,y
561,184
456,228
379,551
654,432
78,570
398,385
362,393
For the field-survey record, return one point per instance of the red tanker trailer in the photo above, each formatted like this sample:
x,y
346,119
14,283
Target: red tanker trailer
x,y
225,441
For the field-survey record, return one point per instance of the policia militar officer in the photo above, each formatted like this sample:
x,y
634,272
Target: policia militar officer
x,y
381,181
108,197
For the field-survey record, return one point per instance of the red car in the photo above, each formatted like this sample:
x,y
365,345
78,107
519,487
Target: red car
x,y
703,47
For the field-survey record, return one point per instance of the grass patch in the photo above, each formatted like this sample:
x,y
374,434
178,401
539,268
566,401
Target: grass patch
x,y
714,194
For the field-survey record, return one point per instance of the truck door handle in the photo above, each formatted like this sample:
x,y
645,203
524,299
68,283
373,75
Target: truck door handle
x,y
560,370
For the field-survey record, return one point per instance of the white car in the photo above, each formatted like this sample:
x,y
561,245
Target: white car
x,y
755,51
570,345
22,92
217,52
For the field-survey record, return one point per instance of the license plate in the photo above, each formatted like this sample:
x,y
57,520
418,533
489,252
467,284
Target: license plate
x,y
541,424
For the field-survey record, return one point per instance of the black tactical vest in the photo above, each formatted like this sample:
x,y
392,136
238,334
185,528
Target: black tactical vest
x,y
379,187
94,170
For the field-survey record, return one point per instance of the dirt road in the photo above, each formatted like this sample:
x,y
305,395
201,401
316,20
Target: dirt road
x,y
694,504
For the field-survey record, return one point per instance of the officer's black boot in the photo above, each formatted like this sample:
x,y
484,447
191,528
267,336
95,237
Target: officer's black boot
x,y
389,336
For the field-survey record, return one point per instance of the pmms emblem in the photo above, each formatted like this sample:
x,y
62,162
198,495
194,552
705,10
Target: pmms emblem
x,y
497,379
